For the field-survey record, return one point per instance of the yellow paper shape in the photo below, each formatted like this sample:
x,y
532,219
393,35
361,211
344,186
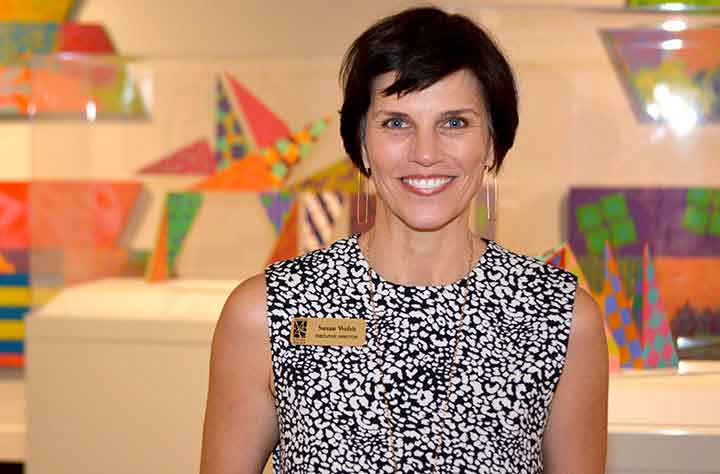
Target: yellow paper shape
x,y
53,11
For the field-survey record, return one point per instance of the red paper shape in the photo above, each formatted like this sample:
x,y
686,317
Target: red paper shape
x,y
84,38
196,158
265,126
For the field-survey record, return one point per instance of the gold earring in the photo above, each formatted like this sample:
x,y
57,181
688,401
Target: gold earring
x,y
362,183
491,202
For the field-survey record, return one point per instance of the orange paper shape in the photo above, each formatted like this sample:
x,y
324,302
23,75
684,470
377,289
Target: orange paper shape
x,y
13,216
249,174
80,214
288,242
618,314
53,11
158,263
265,127
6,267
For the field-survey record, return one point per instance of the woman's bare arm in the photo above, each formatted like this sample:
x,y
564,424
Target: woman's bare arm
x,y
575,439
240,427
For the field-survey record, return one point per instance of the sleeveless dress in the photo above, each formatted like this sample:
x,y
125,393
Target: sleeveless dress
x,y
329,399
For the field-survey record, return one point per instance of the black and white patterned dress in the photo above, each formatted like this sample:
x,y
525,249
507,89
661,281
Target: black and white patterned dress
x,y
329,399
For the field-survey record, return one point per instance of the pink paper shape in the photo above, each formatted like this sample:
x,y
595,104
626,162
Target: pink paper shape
x,y
655,326
196,158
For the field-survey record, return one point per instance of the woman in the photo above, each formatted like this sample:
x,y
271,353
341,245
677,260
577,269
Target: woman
x,y
416,347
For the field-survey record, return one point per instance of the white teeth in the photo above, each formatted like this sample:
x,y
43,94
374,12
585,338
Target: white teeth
x,y
427,183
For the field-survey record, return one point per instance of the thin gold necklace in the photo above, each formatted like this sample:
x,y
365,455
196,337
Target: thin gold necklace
x,y
459,324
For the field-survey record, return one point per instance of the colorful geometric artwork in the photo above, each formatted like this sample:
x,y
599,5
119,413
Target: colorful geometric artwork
x,y
341,176
676,223
231,142
320,213
20,40
248,174
658,216
158,269
658,345
618,314
196,158
288,242
181,210
14,215
563,257
84,38
277,206
15,301
179,213
79,214
669,76
34,10
672,5
606,219
702,211
265,126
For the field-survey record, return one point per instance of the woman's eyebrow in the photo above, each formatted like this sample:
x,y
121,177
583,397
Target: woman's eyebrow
x,y
460,112
391,112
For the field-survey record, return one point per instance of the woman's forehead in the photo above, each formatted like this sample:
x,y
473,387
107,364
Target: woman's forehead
x,y
458,88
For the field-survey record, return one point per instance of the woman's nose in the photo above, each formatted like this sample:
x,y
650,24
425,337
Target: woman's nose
x,y
425,151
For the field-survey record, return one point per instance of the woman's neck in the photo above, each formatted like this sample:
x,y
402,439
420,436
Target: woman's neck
x,y
407,256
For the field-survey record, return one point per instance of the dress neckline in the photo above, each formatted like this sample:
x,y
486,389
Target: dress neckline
x,y
360,257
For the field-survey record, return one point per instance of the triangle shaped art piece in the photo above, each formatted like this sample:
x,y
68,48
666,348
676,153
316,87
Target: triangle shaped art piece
x,y
287,245
231,141
658,347
157,269
277,206
618,314
341,176
182,208
569,262
196,158
249,174
320,213
265,127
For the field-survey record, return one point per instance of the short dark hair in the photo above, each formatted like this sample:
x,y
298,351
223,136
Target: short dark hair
x,y
423,45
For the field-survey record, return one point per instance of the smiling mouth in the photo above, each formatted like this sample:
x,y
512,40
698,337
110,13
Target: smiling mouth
x,y
427,185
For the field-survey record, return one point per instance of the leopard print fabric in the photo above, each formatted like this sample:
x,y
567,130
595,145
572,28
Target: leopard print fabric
x,y
329,399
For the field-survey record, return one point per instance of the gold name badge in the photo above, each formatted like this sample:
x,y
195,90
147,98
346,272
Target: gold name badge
x,y
327,331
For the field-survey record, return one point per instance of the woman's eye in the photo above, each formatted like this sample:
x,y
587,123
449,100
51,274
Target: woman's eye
x,y
455,123
395,123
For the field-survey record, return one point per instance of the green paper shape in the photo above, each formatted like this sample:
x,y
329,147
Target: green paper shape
x,y
623,232
282,145
695,219
279,169
614,207
589,217
596,239
699,196
715,199
318,127
304,149
181,211
714,227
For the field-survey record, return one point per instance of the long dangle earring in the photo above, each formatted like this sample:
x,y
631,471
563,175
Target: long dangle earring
x,y
491,198
363,194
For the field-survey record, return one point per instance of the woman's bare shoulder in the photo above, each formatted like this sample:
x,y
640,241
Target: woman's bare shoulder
x,y
244,312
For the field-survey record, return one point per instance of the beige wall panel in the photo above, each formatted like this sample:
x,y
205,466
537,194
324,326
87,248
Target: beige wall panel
x,y
231,237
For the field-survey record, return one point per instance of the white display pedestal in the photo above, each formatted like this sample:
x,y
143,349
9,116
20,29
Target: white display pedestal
x,y
117,381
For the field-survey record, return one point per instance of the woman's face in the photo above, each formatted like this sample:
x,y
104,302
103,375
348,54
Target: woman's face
x,y
427,150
